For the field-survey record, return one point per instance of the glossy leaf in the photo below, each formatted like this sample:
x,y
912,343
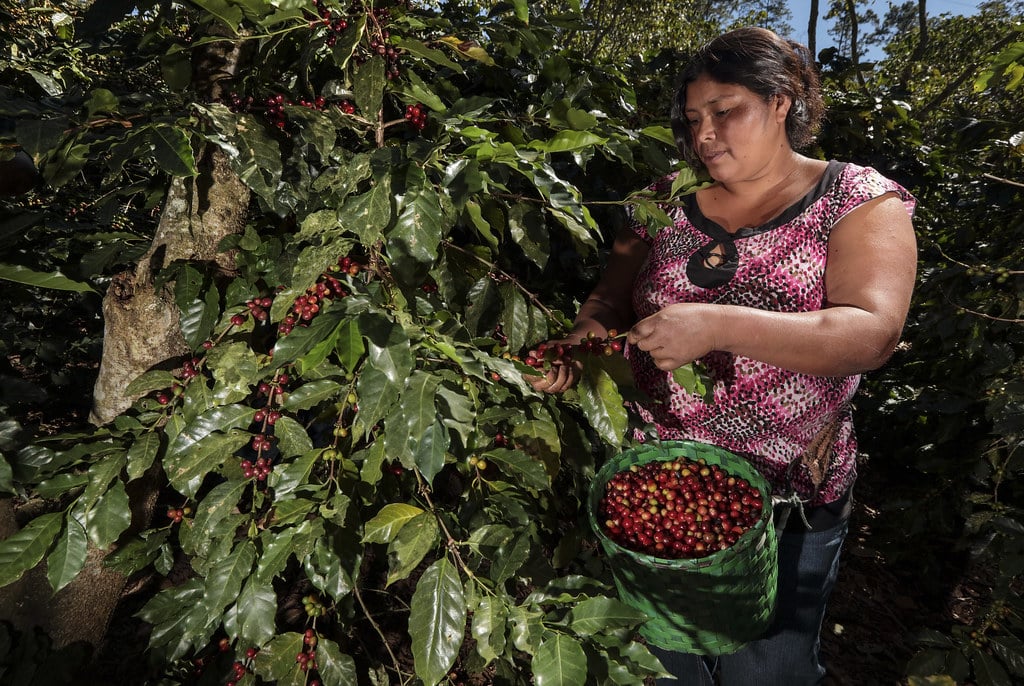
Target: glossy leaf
x,y
437,621
225,578
596,615
141,454
53,280
603,405
109,517
410,545
559,661
254,613
23,549
335,667
488,627
385,525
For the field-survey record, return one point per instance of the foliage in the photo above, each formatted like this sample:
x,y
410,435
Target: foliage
x,y
353,427
381,466
948,408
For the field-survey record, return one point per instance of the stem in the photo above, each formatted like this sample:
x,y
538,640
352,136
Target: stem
x,y
505,276
376,627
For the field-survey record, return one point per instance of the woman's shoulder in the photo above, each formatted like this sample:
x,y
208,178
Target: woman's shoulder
x,y
856,184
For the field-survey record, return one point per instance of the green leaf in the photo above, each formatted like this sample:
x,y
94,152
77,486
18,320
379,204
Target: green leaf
x,y
109,517
219,503
515,316
186,469
227,13
368,87
419,91
522,468
693,378
415,47
559,661
369,214
326,570
600,615
217,419
988,671
276,660
437,621
430,449
510,556
526,226
176,617
312,394
568,140
1010,650
389,350
22,550
410,545
522,9
488,628
172,150
660,133
335,667
293,475
235,370
349,344
277,547
603,405
102,473
154,380
292,438
142,453
68,557
52,280
383,527
225,579
255,612
414,239
252,153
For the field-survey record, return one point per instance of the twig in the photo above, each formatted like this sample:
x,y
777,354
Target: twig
x,y
507,277
376,627
1000,179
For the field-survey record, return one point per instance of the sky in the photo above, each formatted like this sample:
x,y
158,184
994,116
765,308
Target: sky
x,y
800,9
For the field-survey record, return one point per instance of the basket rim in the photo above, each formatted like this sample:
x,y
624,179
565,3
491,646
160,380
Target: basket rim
x,y
606,471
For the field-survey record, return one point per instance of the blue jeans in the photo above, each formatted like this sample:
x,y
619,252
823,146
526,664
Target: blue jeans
x,y
789,653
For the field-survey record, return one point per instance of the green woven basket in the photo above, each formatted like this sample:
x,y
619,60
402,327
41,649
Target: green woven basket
x,y
712,605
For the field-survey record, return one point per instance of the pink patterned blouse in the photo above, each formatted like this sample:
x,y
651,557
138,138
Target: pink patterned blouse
x,y
773,416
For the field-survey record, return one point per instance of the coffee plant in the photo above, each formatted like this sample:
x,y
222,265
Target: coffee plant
x,y
349,451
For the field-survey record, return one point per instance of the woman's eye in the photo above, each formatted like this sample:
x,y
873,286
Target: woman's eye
x,y
722,113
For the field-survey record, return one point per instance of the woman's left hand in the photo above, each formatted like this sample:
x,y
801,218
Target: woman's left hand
x,y
675,335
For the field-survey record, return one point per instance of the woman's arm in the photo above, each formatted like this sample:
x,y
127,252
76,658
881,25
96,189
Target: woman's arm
x,y
869,277
608,307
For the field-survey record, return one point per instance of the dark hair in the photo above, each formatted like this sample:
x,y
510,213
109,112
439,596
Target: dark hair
x,y
768,65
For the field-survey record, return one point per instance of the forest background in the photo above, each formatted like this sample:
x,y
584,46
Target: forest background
x,y
269,272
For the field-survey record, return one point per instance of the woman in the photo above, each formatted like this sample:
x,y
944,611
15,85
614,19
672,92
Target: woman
x,y
787,278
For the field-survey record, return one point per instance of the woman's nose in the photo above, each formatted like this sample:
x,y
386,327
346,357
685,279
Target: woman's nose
x,y
704,130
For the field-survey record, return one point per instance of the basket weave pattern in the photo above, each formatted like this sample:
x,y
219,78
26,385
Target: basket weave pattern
x,y
712,605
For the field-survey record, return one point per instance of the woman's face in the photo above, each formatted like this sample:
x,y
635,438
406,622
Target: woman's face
x,y
736,134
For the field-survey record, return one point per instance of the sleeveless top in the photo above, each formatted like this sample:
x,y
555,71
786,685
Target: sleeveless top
x,y
797,429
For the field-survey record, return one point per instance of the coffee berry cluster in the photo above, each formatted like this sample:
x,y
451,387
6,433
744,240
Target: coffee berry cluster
x,y
328,287
416,116
678,509
334,24
546,354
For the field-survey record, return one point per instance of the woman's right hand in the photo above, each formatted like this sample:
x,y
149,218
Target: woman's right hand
x,y
561,376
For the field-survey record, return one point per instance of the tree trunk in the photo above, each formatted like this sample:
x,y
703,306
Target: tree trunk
x,y
141,326
812,29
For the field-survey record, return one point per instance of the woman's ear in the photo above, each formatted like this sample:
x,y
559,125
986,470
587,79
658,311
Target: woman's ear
x,y
781,104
